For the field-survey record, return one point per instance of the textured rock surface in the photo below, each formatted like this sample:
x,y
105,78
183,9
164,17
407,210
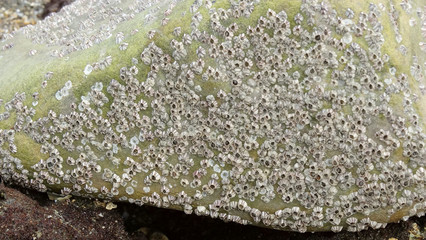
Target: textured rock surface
x,y
288,114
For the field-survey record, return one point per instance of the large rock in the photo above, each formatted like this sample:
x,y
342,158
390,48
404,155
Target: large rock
x,y
297,115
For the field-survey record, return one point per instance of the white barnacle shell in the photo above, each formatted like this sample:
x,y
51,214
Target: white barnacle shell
x,y
58,95
123,46
130,190
88,69
68,85
351,221
32,52
154,176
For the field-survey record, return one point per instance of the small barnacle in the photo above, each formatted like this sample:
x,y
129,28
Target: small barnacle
x,y
165,21
213,184
351,221
154,176
119,38
197,17
35,96
336,229
68,85
151,34
108,60
346,39
349,13
48,75
403,49
114,191
298,18
130,190
135,61
32,52
134,31
184,182
177,31
8,46
44,84
224,175
66,191
123,46
88,69
58,95
64,91
76,188
13,148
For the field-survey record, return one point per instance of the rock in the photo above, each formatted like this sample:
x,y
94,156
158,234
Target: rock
x,y
2,195
158,236
110,206
141,234
54,6
294,115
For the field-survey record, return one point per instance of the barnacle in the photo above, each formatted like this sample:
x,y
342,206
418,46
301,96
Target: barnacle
x,y
295,115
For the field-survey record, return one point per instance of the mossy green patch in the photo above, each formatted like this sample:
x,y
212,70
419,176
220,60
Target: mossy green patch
x,y
28,150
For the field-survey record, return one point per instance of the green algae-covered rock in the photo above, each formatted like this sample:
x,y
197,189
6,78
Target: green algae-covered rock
x,y
295,115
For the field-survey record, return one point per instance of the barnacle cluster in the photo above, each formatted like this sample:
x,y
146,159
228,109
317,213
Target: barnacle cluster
x,y
287,114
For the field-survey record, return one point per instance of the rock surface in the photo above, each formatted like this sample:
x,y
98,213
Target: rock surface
x,y
300,115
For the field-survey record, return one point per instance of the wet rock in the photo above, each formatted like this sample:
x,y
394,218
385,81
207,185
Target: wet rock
x,y
158,236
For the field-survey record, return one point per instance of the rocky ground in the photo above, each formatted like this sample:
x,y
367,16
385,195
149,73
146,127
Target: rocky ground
x,y
33,216
18,13
26,214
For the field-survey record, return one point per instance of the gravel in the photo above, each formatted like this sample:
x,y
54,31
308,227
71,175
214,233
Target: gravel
x,y
15,14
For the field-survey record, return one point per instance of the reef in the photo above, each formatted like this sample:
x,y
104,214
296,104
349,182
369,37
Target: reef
x,y
293,115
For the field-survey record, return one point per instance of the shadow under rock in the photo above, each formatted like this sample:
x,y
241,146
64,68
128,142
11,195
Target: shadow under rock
x,y
178,226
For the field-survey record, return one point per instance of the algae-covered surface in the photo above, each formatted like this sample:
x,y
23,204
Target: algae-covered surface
x,y
294,115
